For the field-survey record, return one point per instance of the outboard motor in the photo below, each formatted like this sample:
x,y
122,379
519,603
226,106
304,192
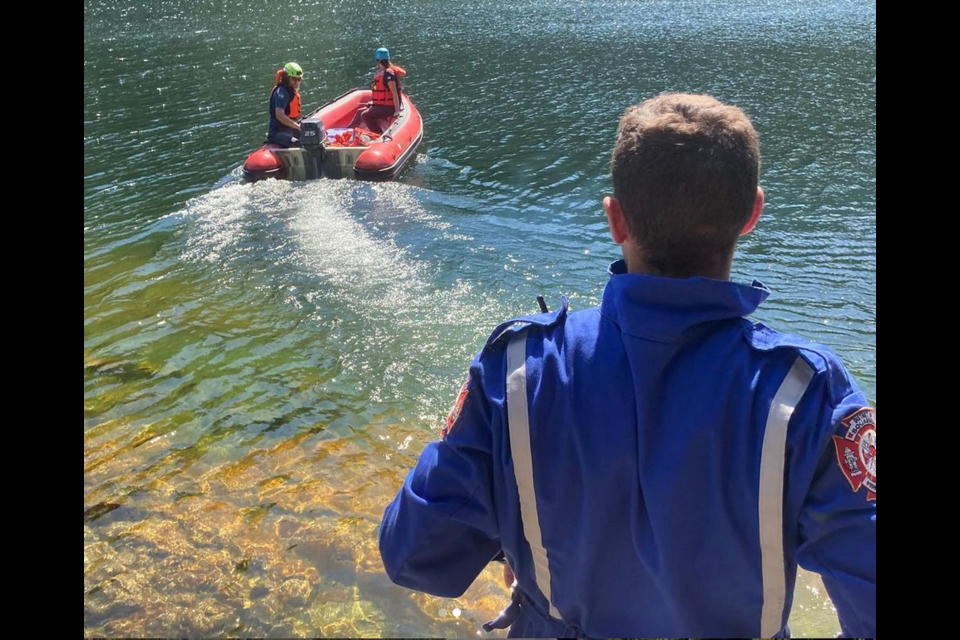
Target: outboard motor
x,y
313,137
312,134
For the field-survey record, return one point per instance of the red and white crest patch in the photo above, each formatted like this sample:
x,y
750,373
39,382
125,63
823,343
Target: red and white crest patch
x,y
857,451
455,411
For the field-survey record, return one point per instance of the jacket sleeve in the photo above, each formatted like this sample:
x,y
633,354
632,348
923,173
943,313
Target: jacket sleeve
x,y
838,518
440,530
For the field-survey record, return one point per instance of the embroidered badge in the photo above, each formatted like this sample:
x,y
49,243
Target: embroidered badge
x,y
455,411
857,451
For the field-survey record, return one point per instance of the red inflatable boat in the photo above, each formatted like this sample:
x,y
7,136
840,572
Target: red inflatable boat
x,y
333,150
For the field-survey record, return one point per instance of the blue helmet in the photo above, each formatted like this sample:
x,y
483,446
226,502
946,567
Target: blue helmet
x,y
381,54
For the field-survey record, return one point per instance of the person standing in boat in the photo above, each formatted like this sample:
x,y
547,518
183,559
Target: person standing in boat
x,y
657,466
387,99
285,107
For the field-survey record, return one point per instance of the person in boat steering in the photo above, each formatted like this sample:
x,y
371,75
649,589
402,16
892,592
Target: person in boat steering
x,y
285,106
658,465
387,99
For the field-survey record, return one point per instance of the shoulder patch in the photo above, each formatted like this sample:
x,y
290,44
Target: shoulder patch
x,y
857,450
456,409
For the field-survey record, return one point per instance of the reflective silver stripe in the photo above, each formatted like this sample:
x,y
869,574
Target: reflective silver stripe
x,y
772,461
519,426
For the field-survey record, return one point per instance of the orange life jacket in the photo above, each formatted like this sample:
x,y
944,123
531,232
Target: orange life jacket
x,y
381,92
293,109
295,105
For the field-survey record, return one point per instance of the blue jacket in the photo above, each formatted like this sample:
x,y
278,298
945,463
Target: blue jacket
x,y
657,466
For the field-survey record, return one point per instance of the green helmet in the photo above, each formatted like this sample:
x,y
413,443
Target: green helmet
x,y
293,70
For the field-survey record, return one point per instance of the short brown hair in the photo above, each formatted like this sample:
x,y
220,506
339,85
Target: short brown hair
x,y
685,170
